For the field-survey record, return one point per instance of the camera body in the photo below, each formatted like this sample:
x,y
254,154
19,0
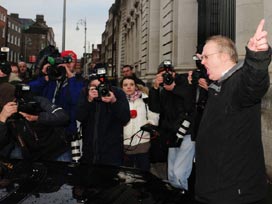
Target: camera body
x,y
4,65
25,100
54,71
197,74
168,78
103,88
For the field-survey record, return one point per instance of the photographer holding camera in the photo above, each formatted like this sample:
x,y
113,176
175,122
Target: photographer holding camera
x,y
31,135
172,97
200,80
59,84
103,110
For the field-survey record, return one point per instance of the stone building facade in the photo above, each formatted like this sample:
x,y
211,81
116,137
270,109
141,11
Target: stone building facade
x,y
145,32
3,26
14,35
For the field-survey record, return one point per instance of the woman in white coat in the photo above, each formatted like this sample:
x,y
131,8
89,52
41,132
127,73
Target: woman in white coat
x,y
136,141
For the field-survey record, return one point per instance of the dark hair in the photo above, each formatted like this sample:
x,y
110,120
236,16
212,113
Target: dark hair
x,y
13,64
127,65
127,77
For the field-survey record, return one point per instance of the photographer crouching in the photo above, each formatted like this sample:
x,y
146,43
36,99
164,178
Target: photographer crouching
x,y
172,97
30,126
103,110
60,86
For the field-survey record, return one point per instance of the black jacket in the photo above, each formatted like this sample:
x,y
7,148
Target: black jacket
x,y
229,153
102,128
43,139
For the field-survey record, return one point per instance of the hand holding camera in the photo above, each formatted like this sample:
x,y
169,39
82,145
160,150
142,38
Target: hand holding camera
x,y
166,76
8,109
109,98
58,68
99,88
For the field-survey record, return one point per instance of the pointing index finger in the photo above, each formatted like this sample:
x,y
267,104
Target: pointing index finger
x,y
259,29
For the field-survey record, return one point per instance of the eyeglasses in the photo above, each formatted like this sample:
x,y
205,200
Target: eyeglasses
x,y
202,57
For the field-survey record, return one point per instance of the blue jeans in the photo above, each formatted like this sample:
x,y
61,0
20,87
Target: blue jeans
x,y
180,162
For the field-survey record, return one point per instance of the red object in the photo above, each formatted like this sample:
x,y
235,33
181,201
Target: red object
x,y
70,53
133,113
32,58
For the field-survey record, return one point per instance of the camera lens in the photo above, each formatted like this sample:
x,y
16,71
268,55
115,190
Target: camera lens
x,y
168,78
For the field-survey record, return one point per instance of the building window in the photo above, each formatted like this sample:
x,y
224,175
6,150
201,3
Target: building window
x,y
4,31
11,55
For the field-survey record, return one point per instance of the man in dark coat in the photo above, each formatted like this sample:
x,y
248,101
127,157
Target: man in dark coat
x,y
59,84
172,97
102,114
229,153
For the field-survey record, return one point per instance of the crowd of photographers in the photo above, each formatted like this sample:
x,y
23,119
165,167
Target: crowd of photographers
x,y
150,128
58,104
46,114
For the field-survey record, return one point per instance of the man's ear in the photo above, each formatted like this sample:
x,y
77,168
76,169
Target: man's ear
x,y
224,56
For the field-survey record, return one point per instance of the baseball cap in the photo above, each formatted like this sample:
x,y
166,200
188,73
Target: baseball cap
x,y
69,53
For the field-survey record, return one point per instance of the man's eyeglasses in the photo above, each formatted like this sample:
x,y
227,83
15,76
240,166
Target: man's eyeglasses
x,y
202,57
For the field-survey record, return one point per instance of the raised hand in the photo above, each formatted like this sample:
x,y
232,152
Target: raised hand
x,y
259,42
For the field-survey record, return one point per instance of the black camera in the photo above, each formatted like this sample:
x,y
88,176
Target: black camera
x,y
152,129
103,88
167,66
25,101
197,74
54,71
4,65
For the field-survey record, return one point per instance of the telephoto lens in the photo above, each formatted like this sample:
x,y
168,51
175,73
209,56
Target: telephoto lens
x,y
76,147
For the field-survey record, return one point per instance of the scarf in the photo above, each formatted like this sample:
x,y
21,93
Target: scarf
x,y
137,94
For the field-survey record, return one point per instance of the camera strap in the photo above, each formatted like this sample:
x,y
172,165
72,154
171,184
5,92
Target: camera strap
x,y
59,85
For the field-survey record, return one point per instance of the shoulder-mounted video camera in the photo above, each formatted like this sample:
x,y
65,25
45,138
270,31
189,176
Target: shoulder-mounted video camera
x,y
103,88
54,71
25,100
4,65
167,66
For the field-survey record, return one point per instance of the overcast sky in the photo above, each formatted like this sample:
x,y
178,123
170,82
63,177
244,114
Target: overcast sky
x,y
95,12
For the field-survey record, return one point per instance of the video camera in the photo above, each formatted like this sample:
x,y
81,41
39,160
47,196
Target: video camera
x,y
4,65
54,71
25,101
103,88
167,66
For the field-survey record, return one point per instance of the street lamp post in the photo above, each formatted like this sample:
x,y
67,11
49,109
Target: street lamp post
x,y
64,25
84,23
